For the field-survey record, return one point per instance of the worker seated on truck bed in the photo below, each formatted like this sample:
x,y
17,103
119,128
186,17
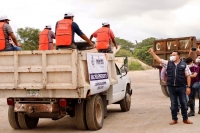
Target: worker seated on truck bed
x,y
5,33
104,37
46,39
65,30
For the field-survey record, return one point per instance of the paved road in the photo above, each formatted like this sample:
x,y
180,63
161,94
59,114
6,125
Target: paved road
x,y
149,113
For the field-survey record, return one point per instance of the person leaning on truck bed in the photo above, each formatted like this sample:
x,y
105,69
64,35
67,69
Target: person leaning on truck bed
x,y
5,33
65,30
104,37
177,74
46,38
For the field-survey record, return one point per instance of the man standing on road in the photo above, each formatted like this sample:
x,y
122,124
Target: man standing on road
x,y
65,30
5,32
178,74
104,37
46,39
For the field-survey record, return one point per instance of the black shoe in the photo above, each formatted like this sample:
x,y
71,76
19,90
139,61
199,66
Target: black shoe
x,y
199,111
191,113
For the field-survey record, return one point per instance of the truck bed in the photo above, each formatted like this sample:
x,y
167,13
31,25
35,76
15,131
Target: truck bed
x,y
164,47
50,73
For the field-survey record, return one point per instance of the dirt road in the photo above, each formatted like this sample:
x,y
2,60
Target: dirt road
x,y
149,113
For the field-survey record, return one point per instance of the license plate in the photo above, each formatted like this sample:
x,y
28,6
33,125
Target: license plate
x,y
33,93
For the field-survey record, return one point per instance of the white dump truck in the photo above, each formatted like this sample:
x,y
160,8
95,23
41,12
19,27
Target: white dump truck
x,y
56,83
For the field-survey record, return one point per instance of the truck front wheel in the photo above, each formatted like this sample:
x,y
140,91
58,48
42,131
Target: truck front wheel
x,y
13,118
27,122
95,112
125,103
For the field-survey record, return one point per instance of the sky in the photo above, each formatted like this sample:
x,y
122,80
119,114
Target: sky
x,y
129,19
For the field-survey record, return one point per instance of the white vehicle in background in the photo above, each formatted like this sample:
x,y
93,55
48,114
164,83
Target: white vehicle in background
x,y
56,83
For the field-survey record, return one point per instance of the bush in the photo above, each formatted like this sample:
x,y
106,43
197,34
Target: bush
x,y
123,52
135,65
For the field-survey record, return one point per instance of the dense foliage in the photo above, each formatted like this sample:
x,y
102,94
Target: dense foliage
x,y
28,37
141,50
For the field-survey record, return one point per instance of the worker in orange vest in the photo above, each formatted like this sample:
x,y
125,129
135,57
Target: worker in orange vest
x,y
5,33
65,30
46,39
104,37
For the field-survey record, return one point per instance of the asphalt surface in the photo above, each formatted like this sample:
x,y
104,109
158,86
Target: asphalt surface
x,y
149,113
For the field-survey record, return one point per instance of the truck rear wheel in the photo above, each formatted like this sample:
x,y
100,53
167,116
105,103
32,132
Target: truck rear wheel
x,y
94,112
125,103
80,115
27,122
13,118
165,90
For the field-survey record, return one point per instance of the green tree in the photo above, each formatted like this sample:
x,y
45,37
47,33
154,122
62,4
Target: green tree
x,y
123,52
28,37
141,50
125,44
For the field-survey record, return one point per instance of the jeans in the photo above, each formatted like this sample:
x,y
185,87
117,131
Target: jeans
x,y
181,93
109,50
13,48
195,88
187,99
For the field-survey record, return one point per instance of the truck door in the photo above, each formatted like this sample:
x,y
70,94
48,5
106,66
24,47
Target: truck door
x,y
118,89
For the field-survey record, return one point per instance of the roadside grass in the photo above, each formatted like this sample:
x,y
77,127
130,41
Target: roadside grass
x,y
135,65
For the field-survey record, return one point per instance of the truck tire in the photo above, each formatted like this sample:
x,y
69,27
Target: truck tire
x,y
95,112
13,118
165,90
80,115
27,122
125,103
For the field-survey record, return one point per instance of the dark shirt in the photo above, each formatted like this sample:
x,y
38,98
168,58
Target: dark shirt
x,y
75,29
194,69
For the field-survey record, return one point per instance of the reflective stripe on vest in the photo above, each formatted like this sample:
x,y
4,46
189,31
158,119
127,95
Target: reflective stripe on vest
x,y
103,40
2,37
44,40
64,33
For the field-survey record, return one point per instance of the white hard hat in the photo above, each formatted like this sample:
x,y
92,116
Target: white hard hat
x,y
48,26
4,18
68,14
105,23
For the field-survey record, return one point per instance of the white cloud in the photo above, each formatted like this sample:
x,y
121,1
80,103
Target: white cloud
x,y
131,19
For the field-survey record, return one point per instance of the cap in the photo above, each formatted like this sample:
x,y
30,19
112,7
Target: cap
x,y
105,23
48,26
4,18
68,14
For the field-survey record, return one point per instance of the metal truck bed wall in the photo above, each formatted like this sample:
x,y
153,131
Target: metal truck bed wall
x,y
54,73
164,47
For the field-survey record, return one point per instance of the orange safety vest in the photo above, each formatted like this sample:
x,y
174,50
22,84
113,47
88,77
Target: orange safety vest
x,y
2,37
103,40
44,40
64,33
